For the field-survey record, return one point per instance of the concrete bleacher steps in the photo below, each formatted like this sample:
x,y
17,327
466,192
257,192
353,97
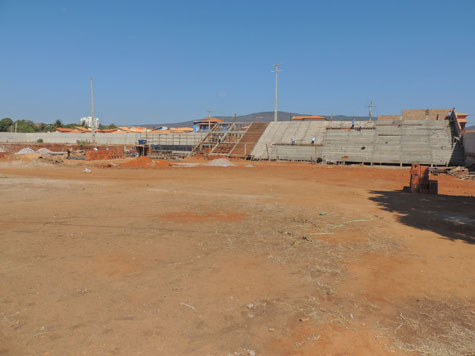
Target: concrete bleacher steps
x,y
248,141
393,142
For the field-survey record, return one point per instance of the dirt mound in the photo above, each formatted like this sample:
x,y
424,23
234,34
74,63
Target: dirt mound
x,y
44,151
25,151
145,162
221,162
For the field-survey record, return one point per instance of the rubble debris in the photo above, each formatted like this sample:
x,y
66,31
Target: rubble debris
x,y
462,173
220,162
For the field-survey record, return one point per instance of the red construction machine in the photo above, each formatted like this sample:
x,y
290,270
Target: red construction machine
x,y
421,182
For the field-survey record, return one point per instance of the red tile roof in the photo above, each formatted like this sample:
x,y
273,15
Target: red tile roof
x,y
64,129
208,120
309,117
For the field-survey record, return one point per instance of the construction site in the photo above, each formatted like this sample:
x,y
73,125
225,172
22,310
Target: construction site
x,y
300,237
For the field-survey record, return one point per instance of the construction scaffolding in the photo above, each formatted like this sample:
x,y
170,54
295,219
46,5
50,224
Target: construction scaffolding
x,y
231,139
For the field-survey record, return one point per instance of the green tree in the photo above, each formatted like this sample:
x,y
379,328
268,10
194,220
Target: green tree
x,y
5,124
26,126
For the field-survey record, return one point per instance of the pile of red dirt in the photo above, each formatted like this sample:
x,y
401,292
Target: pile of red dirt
x,y
145,162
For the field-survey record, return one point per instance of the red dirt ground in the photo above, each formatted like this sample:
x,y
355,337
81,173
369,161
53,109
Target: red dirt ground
x,y
189,217
145,162
277,259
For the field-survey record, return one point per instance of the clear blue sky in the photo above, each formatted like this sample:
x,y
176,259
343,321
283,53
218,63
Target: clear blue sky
x,y
169,61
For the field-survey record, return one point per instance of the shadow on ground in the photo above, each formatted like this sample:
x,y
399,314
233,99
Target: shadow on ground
x,y
453,217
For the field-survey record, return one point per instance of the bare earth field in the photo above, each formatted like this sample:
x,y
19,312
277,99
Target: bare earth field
x,y
274,259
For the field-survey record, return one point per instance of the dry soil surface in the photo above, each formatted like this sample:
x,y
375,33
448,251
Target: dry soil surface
x,y
275,259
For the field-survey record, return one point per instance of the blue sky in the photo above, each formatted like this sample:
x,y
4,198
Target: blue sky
x,y
170,61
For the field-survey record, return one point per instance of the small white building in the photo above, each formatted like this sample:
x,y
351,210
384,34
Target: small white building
x,y
88,121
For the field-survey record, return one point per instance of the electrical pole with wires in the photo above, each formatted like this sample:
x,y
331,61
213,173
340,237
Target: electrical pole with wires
x,y
276,71
93,124
209,119
371,106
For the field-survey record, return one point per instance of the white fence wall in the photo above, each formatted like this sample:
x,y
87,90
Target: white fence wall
x,y
101,138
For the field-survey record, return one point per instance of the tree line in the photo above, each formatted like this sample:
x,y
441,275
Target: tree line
x,y
25,126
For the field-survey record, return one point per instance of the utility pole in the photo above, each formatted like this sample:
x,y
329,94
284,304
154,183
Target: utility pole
x,y
93,129
371,106
276,71
209,119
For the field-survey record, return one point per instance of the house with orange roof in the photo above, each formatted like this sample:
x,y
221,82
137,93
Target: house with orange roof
x,y
206,124
181,129
309,117
66,130
107,130
82,129
462,119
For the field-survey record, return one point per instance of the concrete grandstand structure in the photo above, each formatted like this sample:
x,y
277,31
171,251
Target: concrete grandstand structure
x,y
432,137
401,142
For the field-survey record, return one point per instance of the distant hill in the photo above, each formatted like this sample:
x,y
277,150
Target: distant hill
x,y
470,128
266,116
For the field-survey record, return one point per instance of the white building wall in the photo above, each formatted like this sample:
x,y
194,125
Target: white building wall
x,y
88,121
469,147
